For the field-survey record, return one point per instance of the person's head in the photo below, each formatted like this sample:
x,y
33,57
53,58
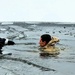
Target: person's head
x,y
45,38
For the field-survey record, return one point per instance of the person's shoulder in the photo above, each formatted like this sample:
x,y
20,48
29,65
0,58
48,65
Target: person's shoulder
x,y
54,38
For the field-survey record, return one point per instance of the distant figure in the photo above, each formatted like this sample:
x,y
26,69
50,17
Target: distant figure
x,y
47,44
4,42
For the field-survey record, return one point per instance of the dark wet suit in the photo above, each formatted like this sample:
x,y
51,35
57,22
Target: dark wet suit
x,y
3,42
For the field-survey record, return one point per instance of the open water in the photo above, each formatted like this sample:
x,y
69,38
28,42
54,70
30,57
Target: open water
x,y
26,59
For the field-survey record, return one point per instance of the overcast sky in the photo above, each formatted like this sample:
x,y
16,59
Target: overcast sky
x,y
37,10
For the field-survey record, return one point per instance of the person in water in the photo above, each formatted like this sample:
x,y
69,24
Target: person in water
x,y
47,44
4,42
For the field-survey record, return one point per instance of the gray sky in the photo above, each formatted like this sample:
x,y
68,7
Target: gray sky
x,y
37,10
